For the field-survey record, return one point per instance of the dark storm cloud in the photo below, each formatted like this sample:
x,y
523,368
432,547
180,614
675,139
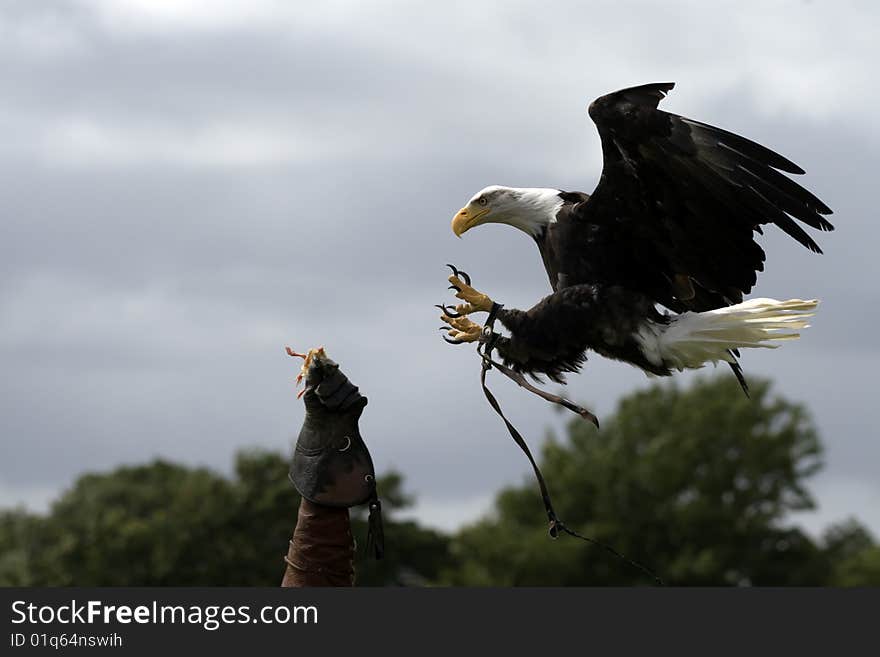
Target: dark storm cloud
x,y
184,193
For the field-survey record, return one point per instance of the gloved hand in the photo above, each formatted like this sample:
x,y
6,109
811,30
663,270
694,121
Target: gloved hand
x,y
331,464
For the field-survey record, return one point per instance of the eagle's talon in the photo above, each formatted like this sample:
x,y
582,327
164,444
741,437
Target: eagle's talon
x,y
475,301
449,311
464,309
462,329
458,273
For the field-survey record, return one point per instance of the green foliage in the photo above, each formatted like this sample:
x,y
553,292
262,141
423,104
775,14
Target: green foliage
x,y
854,556
861,569
165,524
19,539
414,555
698,484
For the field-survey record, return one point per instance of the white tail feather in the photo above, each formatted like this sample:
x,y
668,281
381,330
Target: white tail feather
x,y
693,339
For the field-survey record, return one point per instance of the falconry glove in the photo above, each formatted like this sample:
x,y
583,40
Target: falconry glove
x,y
331,463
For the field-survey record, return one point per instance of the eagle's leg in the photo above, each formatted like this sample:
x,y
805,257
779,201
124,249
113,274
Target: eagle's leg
x,y
461,329
475,302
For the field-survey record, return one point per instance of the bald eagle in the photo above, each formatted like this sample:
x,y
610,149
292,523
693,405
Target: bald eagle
x,y
652,267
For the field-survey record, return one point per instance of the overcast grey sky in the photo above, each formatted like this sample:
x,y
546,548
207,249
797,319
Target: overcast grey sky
x,y
189,185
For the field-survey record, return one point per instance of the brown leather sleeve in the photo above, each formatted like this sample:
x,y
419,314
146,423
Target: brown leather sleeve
x,y
321,552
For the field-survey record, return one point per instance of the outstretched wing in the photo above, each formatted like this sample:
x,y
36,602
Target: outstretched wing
x,y
679,201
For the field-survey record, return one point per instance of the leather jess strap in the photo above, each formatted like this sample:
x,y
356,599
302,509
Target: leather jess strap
x,y
485,348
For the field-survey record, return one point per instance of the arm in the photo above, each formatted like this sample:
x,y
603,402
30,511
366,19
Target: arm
x,y
321,552
332,470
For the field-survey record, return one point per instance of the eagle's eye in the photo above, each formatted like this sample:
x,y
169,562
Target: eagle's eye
x,y
482,200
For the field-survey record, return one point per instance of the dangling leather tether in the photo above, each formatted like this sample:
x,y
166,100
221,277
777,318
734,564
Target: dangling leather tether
x,y
487,344
375,529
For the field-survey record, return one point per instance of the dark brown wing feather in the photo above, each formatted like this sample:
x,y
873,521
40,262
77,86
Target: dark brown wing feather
x,y
678,204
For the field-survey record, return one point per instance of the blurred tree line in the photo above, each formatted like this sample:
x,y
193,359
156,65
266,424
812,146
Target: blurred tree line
x,y
697,484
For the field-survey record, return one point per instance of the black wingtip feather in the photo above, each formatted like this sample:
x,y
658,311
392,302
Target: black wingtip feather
x,y
704,186
646,95
651,93
823,223
752,150
746,147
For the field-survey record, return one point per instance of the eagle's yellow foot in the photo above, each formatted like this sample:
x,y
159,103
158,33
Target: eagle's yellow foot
x,y
475,302
461,329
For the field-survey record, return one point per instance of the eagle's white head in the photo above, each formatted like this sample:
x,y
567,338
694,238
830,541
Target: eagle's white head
x,y
528,208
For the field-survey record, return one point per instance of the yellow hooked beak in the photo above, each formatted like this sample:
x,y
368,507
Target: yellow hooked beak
x,y
467,218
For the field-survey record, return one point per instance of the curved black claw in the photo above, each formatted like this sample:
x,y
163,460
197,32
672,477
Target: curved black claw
x,y
449,340
449,311
461,274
